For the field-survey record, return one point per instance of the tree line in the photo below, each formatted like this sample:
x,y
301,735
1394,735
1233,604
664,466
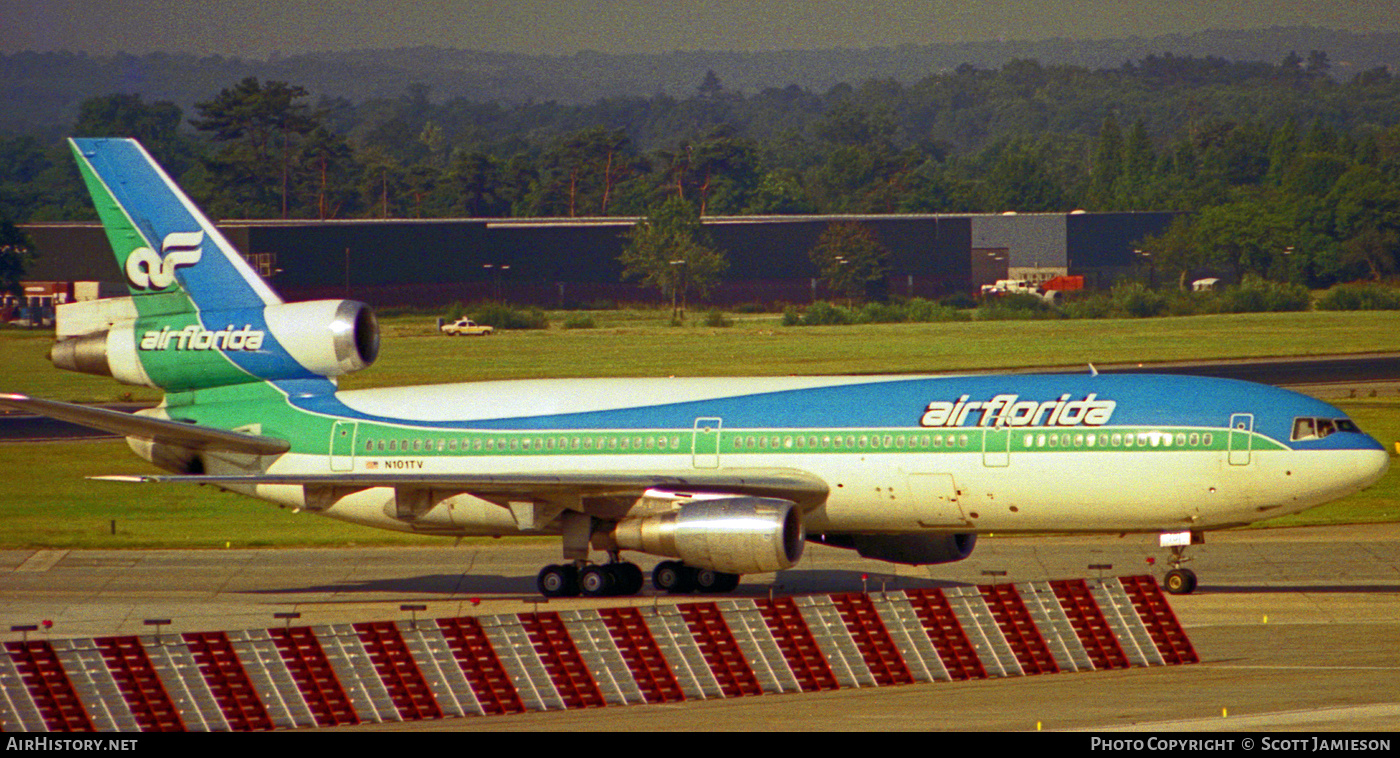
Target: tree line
x,y
1285,172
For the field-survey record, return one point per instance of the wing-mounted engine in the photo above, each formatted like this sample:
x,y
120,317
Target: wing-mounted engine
x,y
737,535
909,549
179,351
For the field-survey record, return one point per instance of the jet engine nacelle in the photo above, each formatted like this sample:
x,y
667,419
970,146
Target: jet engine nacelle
x,y
739,535
326,338
909,549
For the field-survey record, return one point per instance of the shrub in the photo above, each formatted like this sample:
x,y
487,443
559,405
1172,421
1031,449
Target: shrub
x,y
1097,305
960,301
880,313
926,311
819,314
579,321
1360,297
1016,307
717,318
750,308
1255,295
1136,300
504,316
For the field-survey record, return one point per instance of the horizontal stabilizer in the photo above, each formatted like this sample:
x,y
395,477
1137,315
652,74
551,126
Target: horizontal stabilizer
x,y
144,427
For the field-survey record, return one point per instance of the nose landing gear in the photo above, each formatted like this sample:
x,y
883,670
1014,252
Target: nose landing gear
x,y
1180,581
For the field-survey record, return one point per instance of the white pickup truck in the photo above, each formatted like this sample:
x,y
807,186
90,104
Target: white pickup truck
x,y
1021,287
465,327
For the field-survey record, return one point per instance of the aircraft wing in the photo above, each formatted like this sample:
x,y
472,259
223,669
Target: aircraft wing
x,y
560,488
145,427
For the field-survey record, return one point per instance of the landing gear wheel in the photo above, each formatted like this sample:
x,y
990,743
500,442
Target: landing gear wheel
x,y
1180,581
673,577
598,581
630,578
715,582
558,581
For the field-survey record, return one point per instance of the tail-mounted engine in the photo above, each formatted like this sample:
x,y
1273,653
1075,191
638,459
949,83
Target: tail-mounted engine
x,y
325,338
737,535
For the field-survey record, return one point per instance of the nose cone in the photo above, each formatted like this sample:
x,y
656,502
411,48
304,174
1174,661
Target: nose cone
x,y
1370,466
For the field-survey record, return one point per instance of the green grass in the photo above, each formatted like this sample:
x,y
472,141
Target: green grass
x,y
641,343
46,502
632,343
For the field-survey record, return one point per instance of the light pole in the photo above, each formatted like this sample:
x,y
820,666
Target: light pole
x,y
498,269
678,283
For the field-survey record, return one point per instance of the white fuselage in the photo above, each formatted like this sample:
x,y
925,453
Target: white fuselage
x,y
1134,477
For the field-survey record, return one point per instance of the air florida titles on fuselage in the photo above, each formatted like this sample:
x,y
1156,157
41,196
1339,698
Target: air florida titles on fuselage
x,y
1011,410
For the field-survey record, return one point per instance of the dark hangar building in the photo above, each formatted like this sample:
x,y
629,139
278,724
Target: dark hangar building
x,y
568,262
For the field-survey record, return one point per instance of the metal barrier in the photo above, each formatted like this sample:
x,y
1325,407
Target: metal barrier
x,y
494,665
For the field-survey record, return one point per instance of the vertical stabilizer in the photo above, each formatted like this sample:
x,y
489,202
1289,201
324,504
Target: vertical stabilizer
x,y
174,260
198,316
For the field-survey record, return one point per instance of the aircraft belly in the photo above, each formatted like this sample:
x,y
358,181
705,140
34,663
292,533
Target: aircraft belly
x,y
1090,491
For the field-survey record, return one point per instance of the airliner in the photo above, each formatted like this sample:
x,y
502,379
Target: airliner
x,y
719,477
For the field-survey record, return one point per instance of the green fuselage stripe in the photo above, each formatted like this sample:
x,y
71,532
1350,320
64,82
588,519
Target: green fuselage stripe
x,y
379,441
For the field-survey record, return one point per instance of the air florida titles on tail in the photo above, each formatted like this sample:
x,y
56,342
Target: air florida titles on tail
x,y
1011,410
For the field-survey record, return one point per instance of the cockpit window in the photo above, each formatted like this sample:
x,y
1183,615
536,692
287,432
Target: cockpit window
x,y
1306,428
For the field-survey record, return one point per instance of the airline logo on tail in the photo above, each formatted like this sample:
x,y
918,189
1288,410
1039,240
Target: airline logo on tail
x,y
146,270
196,337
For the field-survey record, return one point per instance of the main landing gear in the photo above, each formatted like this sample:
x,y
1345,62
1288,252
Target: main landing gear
x,y
616,577
622,578
676,578
607,580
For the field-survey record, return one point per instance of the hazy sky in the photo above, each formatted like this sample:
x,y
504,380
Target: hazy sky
x,y
255,28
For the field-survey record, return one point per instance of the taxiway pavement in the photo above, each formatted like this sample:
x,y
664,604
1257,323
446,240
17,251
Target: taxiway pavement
x,y
1296,628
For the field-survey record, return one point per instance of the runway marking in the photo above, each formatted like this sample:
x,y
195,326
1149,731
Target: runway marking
x,y
41,561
